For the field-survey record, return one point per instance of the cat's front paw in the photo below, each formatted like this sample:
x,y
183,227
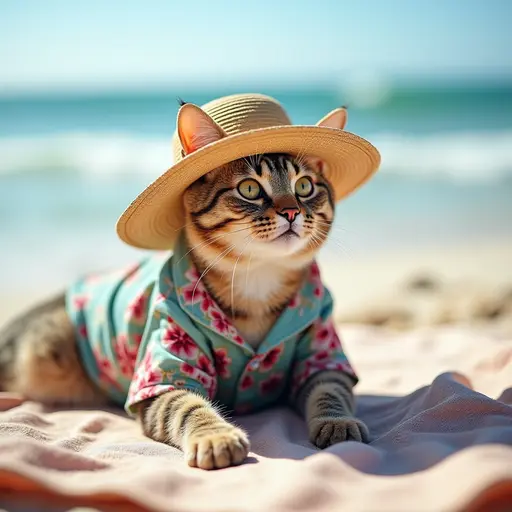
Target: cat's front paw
x,y
325,431
216,449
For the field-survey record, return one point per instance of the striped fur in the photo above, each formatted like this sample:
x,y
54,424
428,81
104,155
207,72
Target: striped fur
x,y
234,242
327,403
192,423
39,358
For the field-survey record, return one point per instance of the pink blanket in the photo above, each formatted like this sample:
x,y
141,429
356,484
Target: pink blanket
x,y
443,447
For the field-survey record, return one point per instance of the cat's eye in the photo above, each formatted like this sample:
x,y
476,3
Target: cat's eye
x,y
250,189
304,187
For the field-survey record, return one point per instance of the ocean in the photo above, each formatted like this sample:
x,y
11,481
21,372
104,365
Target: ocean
x,y
70,164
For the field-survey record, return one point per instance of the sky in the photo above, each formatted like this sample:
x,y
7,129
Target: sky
x,y
63,44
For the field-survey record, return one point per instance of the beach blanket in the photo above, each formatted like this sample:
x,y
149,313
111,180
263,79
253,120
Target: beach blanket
x,y
443,447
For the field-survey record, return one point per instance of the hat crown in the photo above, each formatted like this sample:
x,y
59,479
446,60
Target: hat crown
x,y
240,113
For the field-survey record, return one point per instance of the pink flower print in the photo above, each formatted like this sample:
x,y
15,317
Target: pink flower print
x,y
314,275
295,302
339,366
317,292
238,339
205,365
126,355
192,293
192,275
298,379
104,365
160,297
272,384
220,322
246,383
82,330
335,343
269,360
137,338
322,356
136,395
106,372
206,303
148,372
179,342
80,302
322,335
137,308
222,362
208,382
187,369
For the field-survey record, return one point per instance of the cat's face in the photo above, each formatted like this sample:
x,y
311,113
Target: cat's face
x,y
265,206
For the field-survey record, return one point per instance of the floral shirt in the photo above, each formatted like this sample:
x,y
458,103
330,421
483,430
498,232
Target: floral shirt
x,y
153,327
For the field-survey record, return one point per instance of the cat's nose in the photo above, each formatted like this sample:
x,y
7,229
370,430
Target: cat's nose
x,y
289,213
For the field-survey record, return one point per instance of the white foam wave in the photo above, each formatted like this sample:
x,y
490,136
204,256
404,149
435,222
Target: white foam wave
x,y
95,155
465,156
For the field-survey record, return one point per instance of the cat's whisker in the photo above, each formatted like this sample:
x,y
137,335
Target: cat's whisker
x,y
313,242
332,228
333,225
210,266
337,242
250,166
247,272
316,239
233,276
210,241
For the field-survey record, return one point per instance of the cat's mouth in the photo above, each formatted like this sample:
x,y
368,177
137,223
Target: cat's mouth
x,y
289,234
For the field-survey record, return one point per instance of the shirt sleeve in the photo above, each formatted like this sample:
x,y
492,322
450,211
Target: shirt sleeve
x,y
320,349
172,359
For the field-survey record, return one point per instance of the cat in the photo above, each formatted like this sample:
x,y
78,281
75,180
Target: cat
x,y
253,229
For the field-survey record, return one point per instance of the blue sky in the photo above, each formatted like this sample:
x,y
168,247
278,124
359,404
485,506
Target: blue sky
x,y
111,43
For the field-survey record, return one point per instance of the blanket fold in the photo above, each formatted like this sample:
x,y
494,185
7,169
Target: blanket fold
x,y
444,447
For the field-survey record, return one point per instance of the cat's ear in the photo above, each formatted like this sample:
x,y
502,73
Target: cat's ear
x,y
196,128
316,164
335,119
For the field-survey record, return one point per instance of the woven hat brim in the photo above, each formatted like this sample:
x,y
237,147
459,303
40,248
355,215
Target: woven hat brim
x,y
154,219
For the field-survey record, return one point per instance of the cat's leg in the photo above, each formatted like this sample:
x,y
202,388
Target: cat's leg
x,y
327,403
40,360
190,422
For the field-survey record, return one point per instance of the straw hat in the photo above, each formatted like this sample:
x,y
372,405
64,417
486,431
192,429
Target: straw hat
x,y
245,124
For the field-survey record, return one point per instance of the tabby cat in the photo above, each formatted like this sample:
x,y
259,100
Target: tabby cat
x,y
253,228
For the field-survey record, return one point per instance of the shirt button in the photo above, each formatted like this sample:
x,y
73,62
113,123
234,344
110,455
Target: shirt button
x,y
254,364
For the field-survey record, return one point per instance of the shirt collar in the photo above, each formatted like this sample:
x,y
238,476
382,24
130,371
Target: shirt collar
x,y
194,299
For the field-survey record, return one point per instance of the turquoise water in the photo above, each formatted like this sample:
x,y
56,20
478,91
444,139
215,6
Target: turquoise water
x,y
70,164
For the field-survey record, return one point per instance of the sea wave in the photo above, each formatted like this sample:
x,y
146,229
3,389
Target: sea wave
x,y
461,156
